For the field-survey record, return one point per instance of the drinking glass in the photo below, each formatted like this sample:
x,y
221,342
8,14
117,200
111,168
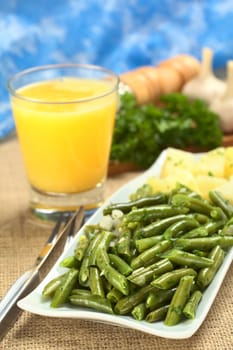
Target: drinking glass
x,y
64,116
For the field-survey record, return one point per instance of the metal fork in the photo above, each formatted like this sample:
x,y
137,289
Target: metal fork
x,y
62,219
57,241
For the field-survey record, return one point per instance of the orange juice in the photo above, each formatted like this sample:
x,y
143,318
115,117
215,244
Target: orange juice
x,y
65,130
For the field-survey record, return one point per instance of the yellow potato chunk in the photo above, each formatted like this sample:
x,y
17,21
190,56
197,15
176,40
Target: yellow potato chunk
x,y
211,163
207,183
177,159
181,176
168,183
228,162
157,184
212,170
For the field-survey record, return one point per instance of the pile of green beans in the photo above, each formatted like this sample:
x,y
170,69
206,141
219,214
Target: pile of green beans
x,y
154,263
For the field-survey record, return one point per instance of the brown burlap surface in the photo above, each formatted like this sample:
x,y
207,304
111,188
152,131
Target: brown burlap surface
x,y
20,240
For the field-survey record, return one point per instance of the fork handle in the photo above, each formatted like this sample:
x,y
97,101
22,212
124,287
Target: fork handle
x,y
9,311
16,286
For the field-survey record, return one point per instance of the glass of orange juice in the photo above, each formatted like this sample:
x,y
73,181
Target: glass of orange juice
x,y
64,116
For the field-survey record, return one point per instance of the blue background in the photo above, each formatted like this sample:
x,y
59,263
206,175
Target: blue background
x,y
118,34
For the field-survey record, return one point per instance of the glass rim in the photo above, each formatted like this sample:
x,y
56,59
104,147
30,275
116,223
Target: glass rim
x,y
93,67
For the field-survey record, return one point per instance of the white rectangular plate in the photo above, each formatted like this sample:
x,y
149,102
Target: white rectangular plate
x,y
34,302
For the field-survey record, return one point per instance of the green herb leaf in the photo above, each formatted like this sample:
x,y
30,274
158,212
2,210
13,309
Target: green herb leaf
x,y
142,132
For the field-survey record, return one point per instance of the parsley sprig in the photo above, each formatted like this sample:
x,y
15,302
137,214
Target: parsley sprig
x,y
142,132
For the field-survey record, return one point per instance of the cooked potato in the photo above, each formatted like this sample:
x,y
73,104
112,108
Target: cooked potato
x,y
207,183
211,163
167,183
183,177
228,162
157,184
177,159
212,170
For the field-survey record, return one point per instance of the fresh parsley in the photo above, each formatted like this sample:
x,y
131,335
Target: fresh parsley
x,y
142,132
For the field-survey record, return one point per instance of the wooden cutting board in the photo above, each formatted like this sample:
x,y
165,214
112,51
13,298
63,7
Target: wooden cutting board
x,y
228,140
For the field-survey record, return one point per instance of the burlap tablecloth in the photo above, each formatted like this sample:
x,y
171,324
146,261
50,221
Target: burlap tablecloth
x,y
20,240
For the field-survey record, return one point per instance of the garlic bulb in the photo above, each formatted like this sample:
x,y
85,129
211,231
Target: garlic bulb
x,y
205,85
223,105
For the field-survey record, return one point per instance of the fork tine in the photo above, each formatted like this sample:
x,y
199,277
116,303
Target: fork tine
x,y
52,238
80,219
76,219
75,225
55,229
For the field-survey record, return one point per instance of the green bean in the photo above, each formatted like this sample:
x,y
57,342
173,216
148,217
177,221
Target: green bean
x,y
95,281
200,252
120,264
132,225
102,243
204,243
143,191
180,227
187,259
158,227
114,295
151,253
81,247
201,218
84,269
196,232
107,285
102,239
144,275
214,226
200,206
158,198
227,229
149,214
146,265
218,214
123,244
206,275
181,188
80,291
139,312
157,314
172,278
63,291
159,298
92,301
194,204
191,306
200,243
115,278
51,286
178,301
126,304
226,241
148,242
70,262
218,199
92,230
